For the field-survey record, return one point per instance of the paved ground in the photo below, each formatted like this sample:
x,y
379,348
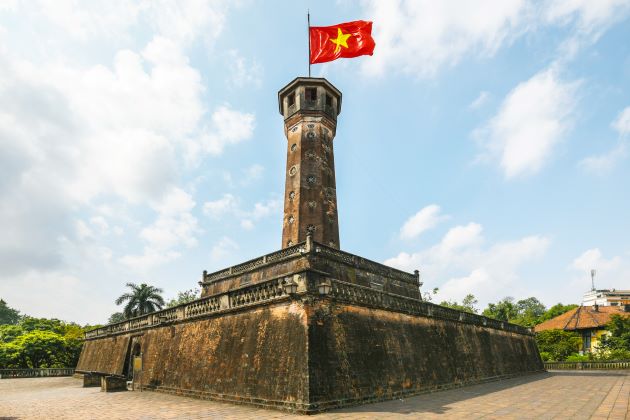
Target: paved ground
x,y
575,395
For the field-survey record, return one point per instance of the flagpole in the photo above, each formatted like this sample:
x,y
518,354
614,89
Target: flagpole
x,y
308,21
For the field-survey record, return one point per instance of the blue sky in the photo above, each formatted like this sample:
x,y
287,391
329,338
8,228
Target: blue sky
x,y
485,143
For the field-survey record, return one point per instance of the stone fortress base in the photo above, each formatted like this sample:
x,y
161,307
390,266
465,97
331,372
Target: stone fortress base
x,y
252,339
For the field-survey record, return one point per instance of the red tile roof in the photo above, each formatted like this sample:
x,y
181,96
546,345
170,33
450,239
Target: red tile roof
x,y
582,317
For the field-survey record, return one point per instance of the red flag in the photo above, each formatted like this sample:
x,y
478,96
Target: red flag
x,y
346,40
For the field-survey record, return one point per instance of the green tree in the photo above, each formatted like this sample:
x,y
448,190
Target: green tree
x,y
42,349
467,305
11,356
619,334
529,311
428,296
8,315
40,342
116,317
556,310
557,345
9,333
503,310
184,297
142,300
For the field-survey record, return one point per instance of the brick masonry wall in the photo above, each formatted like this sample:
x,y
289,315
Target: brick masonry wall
x,y
257,356
313,354
106,355
360,354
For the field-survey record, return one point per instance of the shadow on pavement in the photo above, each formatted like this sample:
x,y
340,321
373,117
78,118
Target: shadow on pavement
x,y
437,402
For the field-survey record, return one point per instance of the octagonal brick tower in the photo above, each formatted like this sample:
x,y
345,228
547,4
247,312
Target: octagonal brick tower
x,y
310,107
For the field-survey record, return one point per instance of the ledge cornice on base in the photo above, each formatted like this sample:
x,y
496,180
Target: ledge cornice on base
x,y
303,249
273,291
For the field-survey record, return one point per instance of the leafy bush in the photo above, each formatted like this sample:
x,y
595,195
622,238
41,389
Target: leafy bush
x,y
578,358
558,344
40,343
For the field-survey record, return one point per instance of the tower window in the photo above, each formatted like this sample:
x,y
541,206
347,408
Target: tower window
x,y
328,100
311,94
291,99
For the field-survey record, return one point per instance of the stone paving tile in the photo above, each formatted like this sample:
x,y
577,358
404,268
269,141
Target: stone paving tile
x,y
554,395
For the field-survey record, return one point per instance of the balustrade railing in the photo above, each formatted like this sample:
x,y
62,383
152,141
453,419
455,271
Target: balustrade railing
x,y
291,251
363,295
369,265
300,249
273,289
35,373
590,365
247,295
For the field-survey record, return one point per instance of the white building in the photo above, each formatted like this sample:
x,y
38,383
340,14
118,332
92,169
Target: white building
x,y
605,297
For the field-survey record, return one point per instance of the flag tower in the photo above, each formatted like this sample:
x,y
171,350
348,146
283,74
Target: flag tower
x,y
310,107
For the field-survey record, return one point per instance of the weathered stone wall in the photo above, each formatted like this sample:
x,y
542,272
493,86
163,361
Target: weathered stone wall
x,y
257,356
302,257
361,354
106,355
313,354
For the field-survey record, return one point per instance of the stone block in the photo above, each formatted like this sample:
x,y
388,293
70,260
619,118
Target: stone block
x,y
91,379
113,384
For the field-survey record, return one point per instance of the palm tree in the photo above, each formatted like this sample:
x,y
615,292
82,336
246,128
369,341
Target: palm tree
x,y
142,300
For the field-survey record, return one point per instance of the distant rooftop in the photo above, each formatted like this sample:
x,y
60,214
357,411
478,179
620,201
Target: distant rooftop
x,y
582,317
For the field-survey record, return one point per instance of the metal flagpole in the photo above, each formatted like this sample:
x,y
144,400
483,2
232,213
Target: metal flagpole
x,y
308,21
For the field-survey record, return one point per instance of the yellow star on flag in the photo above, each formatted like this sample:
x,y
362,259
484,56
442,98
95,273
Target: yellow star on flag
x,y
341,40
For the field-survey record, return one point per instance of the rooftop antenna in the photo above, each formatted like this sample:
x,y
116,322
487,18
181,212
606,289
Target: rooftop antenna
x,y
593,272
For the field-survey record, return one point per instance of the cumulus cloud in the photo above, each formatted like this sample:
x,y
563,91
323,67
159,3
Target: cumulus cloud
x,y
531,121
612,272
91,138
589,16
622,123
174,227
604,163
217,208
422,37
244,72
427,218
230,205
223,250
228,127
463,263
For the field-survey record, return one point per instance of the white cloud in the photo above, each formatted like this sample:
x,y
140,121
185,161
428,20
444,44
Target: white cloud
x,y
223,250
593,259
252,174
611,272
247,224
589,16
175,227
532,120
461,263
422,37
427,218
622,123
218,208
229,205
243,72
480,100
228,127
604,163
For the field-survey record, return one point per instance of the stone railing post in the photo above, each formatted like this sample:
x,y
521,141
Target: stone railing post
x,y
309,242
